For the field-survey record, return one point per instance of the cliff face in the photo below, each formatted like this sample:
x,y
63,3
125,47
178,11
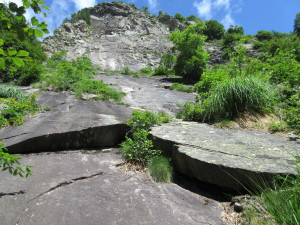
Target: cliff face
x,y
119,36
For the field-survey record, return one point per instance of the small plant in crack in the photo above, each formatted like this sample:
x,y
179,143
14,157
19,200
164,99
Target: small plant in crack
x,y
138,148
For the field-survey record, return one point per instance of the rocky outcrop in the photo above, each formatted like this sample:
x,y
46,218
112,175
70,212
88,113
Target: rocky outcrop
x,y
119,36
227,158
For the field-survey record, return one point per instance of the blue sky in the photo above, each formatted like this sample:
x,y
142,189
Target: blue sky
x,y
253,15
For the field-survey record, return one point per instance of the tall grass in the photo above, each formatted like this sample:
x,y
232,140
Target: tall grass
x,y
282,200
232,98
11,92
160,169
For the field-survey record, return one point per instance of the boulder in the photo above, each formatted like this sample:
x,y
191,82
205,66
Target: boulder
x,y
227,158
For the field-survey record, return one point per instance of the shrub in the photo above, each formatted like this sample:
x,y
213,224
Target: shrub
x,y
145,119
146,70
138,149
161,70
263,35
179,17
160,169
83,14
13,111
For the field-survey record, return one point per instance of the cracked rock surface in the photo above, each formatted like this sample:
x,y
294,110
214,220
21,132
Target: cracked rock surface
x,y
227,158
71,124
90,187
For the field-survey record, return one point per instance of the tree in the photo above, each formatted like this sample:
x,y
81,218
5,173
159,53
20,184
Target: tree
x,y
194,18
12,20
214,30
145,9
179,17
297,24
235,30
192,59
263,35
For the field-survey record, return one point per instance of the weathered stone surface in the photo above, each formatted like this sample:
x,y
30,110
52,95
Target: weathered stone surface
x,y
148,93
72,123
227,158
89,187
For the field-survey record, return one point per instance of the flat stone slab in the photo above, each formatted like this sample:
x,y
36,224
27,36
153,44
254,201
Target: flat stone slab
x,y
71,124
148,93
227,158
91,187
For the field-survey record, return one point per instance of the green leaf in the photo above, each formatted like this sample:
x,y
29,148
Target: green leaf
x,y
2,52
2,64
11,52
18,62
20,18
22,53
42,25
34,21
45,31
38,33
26,3
1,42
47,8
45,15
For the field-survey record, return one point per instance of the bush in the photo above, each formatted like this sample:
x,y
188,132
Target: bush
x,y
179,17
137,149
161,70
12,111
146,71
83,14
160,169
263,35
145,119
213,30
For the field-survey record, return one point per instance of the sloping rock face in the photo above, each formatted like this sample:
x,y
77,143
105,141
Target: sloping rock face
x,y
120,36
71,124
227,158
90,187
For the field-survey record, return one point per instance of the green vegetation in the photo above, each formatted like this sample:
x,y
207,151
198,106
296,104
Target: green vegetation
x,y
283,192
146,71
11,92
213,30
160,169
192,59
11,164
76,76
182,88
127,71
138,148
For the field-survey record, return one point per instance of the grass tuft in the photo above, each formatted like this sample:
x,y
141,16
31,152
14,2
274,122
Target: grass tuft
x,y
160,169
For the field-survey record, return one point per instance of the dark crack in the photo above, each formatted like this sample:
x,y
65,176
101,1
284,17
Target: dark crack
x,y
65,183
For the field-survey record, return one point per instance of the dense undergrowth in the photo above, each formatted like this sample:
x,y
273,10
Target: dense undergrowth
x,y
138,149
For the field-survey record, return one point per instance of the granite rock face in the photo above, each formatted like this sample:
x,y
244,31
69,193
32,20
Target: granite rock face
x,y
119,36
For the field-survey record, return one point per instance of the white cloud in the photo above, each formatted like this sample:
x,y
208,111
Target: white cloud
x,y
84,4
204,8
152,4
207,9
219,4
228,20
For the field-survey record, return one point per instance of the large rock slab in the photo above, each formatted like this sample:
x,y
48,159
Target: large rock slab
x,y
148,93
71,124
227,158
90,187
